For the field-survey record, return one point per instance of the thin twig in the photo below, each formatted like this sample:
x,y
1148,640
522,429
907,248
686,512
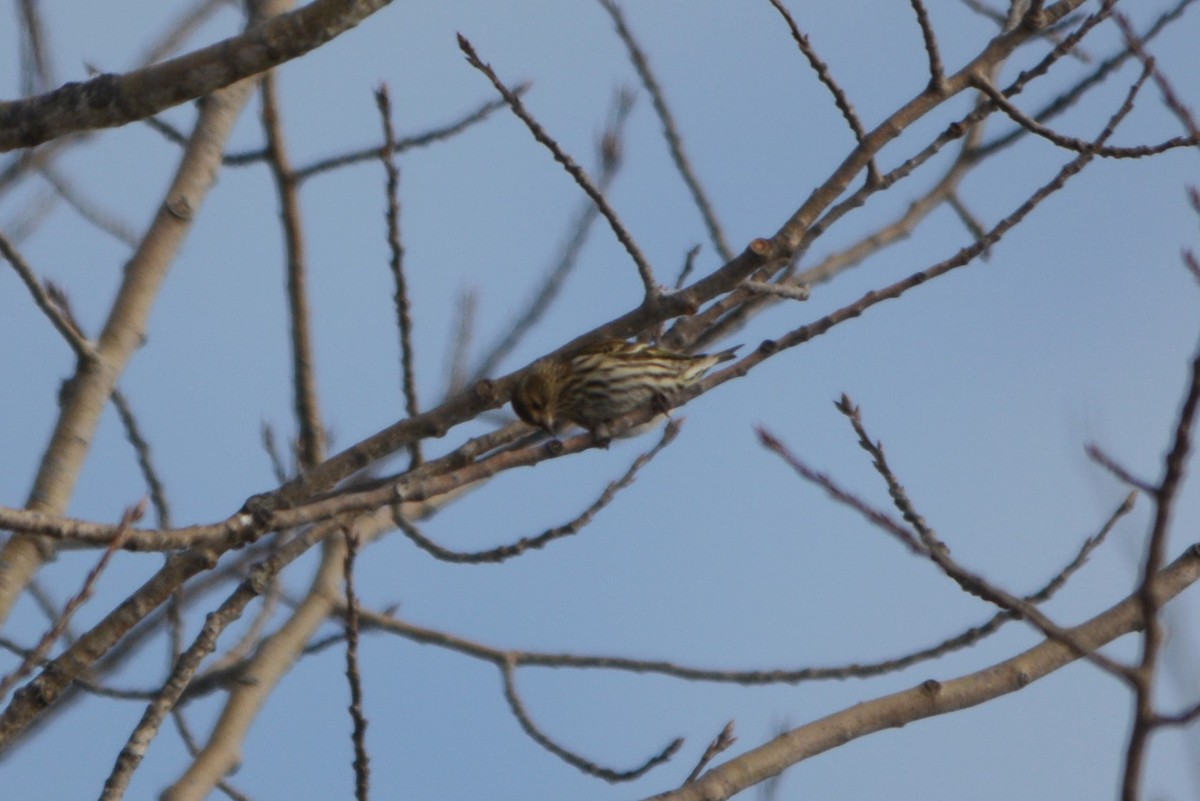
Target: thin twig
x,y
26,219
1108,463
670,131
38,653
305,397
1072,143
272,448
611,157
37,74
1110,65
439,134
49,607
969,582
26,162
1170,96
82,347
972,223
570,757
937,73
724,739
840,99
505,552
228,666
387,622
689,264
875,516
181,29
652,289
1190,260
88,209
1184,718
302,174
1165,496
396,248
464,336
963,257
154,484
362,762
1089,545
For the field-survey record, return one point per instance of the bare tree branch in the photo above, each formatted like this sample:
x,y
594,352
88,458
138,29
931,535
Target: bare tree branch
x,y
110,100
571,758
362,764
304,375
823,75
931,697
611,149
396,247
89,390
581,178
84,349
670,131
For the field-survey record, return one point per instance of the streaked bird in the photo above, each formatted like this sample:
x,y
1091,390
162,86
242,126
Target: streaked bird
x,y
604,380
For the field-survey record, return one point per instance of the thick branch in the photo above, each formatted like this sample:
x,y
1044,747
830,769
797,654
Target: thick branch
x,y
931,697
86,394
110,100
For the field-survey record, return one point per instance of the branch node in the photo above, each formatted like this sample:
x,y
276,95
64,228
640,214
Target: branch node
x,y
762,248
180,208
485,390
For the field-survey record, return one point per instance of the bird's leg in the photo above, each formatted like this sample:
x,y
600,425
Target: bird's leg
x,y
661,404
602,434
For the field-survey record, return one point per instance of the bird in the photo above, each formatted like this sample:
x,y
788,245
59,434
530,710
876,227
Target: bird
x,y
604,380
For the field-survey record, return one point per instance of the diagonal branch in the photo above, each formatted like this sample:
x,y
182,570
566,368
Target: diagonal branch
x,y
670,131
585,183
83,348
931,698
611,148
823,75
109,100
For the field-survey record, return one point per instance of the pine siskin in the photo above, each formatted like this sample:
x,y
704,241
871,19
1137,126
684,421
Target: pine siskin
x,y
604,380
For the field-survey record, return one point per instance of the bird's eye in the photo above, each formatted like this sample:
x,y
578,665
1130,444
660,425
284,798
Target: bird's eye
x,y
527,408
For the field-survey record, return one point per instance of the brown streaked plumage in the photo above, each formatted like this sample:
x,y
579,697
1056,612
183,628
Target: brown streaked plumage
x,y
604,380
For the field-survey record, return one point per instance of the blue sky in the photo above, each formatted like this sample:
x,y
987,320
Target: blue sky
x,y
984,386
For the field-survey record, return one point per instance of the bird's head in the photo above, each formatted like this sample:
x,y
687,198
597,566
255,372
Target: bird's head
x,y
535,397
